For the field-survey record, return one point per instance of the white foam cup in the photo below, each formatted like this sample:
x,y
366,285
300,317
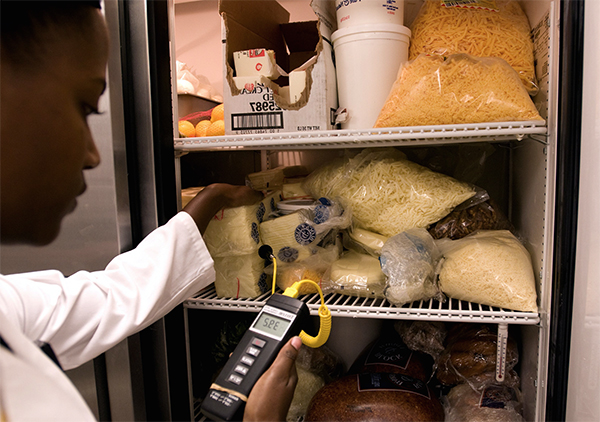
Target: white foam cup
x,y
367,60
361,12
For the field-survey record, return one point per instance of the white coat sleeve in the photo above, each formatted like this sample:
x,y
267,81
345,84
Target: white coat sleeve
x,y
85,314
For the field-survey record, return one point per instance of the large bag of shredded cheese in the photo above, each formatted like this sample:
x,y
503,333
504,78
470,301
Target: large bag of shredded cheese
x,y
498,28
458,89
387,193
490,267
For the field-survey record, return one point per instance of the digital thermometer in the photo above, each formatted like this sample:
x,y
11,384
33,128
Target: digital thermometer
x,y
280,319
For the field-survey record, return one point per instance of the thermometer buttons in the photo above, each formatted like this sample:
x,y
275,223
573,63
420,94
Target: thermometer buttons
x,y
247,360
253,351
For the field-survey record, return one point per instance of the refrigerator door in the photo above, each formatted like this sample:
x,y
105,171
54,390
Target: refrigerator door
x,y
583,398
98,230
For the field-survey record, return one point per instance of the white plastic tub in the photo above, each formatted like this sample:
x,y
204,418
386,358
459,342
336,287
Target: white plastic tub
x,y
364,12
367,61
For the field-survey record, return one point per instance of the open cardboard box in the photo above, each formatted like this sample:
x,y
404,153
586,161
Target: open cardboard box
x,y
261,105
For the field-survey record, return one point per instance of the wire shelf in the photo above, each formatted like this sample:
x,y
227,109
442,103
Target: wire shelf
x,y
357,307
398,136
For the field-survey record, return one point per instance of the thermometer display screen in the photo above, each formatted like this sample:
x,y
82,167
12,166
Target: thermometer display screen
x,y
271,325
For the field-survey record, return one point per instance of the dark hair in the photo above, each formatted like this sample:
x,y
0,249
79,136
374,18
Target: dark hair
x,y
27,24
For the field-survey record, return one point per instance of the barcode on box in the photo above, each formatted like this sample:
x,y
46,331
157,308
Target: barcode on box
x,y
257,121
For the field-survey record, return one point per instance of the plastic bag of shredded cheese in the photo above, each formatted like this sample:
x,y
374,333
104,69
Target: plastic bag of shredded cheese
x,y
458,89
490,267
387,193
504,32
408,260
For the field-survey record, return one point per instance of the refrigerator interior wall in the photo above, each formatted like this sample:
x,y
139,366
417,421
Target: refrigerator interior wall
x,y
518,174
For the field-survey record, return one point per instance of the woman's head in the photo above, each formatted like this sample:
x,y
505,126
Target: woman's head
x,y
53,71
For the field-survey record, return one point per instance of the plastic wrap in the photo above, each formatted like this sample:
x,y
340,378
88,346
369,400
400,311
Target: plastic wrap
x,y
409,260
387,193
355,274
364,241
316,267
470,355
503,32
297,236
315,368
458,89
469,217
424,336
240,276
488,267
496,403
234,232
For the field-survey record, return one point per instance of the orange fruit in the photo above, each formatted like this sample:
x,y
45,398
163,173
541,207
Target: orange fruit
x,y
218,113
187,129
216,128
201,127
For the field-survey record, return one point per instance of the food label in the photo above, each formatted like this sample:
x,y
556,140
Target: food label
x,y
389,352
497,396
472,4
382,381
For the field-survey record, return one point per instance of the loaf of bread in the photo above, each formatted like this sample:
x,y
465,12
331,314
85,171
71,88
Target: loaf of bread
x,y
471,352
370,397
496,403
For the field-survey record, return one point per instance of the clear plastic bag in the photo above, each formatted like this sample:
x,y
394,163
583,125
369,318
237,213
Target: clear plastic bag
x,y
424,336
477,213
503,32
315,368
458,89
296,236
355,274
490,267
495,403
409,260
387,193
470,356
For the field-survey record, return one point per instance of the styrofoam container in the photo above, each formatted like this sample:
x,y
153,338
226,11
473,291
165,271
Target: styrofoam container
x,y
363,12
367,61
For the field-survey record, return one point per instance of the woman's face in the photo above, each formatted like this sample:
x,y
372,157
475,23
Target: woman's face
x,y
45,139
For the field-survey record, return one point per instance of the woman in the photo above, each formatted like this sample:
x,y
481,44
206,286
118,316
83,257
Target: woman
x,y
53,72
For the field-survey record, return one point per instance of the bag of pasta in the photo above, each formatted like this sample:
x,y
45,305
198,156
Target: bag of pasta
x,y
497,28
458,89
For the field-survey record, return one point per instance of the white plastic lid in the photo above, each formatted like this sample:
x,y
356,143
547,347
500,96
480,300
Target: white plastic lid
x,y
372,29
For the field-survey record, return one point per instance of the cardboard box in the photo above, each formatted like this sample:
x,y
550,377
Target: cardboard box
x,y
265,106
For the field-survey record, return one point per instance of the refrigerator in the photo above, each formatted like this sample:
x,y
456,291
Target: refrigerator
x,y
544,176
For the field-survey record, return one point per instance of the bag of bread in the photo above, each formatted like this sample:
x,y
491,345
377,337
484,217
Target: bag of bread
x,y
490,267
409,260
496,403
456,89
499,30
470,355
470,217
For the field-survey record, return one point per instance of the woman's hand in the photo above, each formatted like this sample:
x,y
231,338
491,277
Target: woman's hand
x,y
272,395
212,198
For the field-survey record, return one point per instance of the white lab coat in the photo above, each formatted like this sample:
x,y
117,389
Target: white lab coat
x,y
85,314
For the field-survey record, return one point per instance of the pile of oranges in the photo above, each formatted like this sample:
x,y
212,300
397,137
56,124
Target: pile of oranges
x,y
213,127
